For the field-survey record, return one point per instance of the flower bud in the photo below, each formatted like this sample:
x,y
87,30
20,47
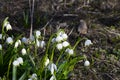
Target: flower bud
x,y
23,51
9,40
86,63
47,62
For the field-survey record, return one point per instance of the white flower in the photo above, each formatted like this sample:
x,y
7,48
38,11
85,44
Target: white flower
x,y
32,38
34,75
88,42
0,47
25,40
52,67
53,40
19,41
20,60
16,44
47,62
86,63
37,43
0,36
59,46
42,44
30,79
53,77
23,51
15,63
8,26
37,34
70,51
64,36
59,39
65,44
9,40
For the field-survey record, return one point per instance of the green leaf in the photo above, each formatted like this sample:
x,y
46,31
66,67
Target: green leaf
x,y
23,76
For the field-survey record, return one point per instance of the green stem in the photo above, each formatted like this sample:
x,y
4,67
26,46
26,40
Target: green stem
x,y
35,51
59,57
48,44
14,72
78,42
51,58
45,73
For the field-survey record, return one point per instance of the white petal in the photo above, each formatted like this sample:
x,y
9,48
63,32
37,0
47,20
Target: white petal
x,y
23,51
47,62
25,40
87,63
59,39
16,63
65,44
20,60
42,44
9,40
88,42
0,47
37,33
64,36
52,77
59,46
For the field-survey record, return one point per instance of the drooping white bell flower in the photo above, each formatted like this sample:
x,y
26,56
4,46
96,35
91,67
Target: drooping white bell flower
x,y
25,40
20,60
86,63
23,51
88,42
8,27
59,46
53,40
19,41
37,34
65,44
52,67
9,40
37,43
52,77
47,62
0,36
64,36
59,39
15,63
69,51
32,38
42,44
34,76
0,47
16,44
